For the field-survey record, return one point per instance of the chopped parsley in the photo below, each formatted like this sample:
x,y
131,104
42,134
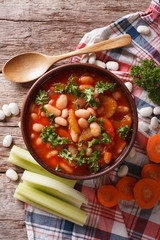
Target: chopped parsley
x,y
89,97
51,116
41,98
95,141
59,88
101,86
80,157
77,105
123,131
93,161
92,119
72,88
147,76
64,153
58,168
106,138
48,135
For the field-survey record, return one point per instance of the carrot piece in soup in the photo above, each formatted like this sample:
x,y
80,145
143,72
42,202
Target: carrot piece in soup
x,y
153,148
125,187
151,171
64,133
108,196
108,127
73,122
146,193
110,105
85,135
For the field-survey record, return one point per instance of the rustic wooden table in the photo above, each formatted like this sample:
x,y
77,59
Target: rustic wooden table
x,y
51,27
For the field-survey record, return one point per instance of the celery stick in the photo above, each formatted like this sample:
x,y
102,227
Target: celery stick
x,y
34,204
54,188
28,163
52,203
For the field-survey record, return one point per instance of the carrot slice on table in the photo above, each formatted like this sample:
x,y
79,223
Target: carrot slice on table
x,y
108,195
146,193
153,148
125,187
151,171
73,122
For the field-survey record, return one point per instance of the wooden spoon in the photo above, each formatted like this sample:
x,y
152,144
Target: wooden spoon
x,y
31,65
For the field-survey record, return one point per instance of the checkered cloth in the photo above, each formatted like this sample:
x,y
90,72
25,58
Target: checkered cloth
x,y
127,220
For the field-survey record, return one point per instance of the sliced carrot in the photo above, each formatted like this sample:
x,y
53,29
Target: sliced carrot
x,y
146,193
125,187
151,171
108,196
107,157
110,105
153,148
108,127
73,122
85,135
64,133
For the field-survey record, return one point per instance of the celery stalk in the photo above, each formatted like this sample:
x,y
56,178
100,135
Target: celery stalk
x,y
23,159
54,188
20,197
52,203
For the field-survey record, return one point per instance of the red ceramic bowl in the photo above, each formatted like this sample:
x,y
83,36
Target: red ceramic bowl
x,y
87,67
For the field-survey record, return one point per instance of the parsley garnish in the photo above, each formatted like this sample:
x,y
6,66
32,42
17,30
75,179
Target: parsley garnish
x,y
106,138
89,97
95,141
51,116
147,76
48,135
123,131
80,157
58,168
101,121
77,105
72,88
92,119
66,154
93,161
101,86
59,88
41,98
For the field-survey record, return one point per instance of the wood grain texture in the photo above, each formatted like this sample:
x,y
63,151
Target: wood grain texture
x,y
52,27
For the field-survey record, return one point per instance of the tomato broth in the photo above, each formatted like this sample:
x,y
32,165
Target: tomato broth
x,y
79,122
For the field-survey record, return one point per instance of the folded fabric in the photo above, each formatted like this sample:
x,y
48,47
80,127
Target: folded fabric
x,y
127,220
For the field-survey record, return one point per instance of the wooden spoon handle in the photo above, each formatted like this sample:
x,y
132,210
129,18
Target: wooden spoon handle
x,y
112,43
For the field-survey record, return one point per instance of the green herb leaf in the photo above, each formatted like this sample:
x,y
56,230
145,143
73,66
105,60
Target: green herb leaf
x,y
101,86
59,88
147,76
72,88
51,116
93,161
80,157
41,98
95,141
58,168
66,154
106,138
92,119
77,105
89,97
123,131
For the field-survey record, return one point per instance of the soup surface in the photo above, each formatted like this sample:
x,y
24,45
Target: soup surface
x,y
79,122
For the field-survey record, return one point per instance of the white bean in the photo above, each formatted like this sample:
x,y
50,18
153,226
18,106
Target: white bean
x,y
2,115
86,80
146,111
143,126
89,152
82,113
37,127
84,58
71,149
62,101
154,123
83,123
56,125
122,109
6,110
14,108
7,141
61,121
34,116
156,110
129,86
92,111
132,152
117,95
74,136
33,135
65,113
112,65
92,58
100,64
43,114
122,171
95,129
11,174
52,153
52,109
38,141
144,30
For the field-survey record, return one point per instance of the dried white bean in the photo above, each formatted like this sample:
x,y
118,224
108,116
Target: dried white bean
x,y
33,135
62,101
112,65
92,58
84,58
86,80
92,111
132,152
14,108
52,109
154,123
82,113
100,64
146,111
129,86
6,110
122,171
37,127
83,123
156,110
52,153
34,116
143,126
38,141
95,129
89,152
56,125
74,136
144,30
7,141
61,121
65,113
11,174
2,115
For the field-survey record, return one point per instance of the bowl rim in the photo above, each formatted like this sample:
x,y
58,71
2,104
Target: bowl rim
x,y
44,78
